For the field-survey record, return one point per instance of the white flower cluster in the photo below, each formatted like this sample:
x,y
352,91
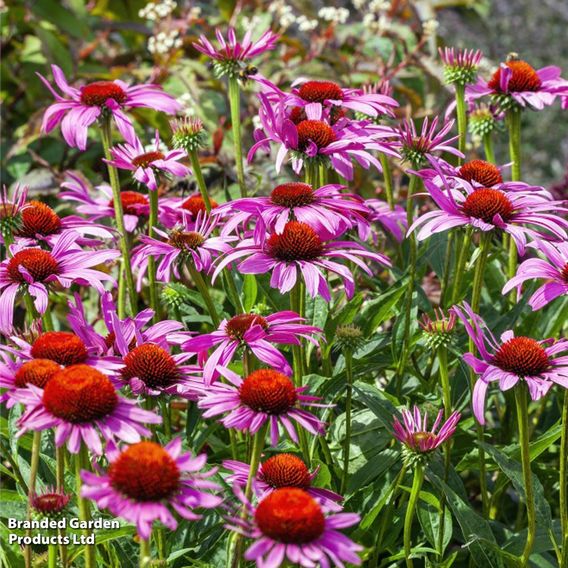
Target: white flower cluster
x,y
250,23
429,27
164,42
188,103
157,10
376,24
335,15
284,17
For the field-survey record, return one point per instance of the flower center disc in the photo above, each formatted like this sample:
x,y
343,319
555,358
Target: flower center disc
x,y
80,394
36,372
485,203
130,201
50,503
39,263
195,205
290,516
62,347
565,273
237,326
145,472
320,91
420,437
98,93
522,356
319,132
268,391
294,194
186,239
523,78
482,172
297,241
38,219
285,470
154,366
144,160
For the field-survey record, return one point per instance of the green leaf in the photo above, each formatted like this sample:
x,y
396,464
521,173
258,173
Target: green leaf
x,y
429,518
250,291
377,403
379,310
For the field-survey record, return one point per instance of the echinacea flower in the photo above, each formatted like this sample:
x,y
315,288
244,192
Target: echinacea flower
x,y
422,147
33,269
460,65
488,209
146,482
11,207
438,332
413,432
301,251
327,209
255,333
188,242
280,470
264,397
82,405
308,95
232,53
145,164
393,220
78,108
539,364
135,205
289,525
517,84
554,270
316,140
50,502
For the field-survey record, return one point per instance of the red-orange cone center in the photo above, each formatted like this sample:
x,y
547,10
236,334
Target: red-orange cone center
x,y
523,356
298,241
62,347
268,391
485,203
285,470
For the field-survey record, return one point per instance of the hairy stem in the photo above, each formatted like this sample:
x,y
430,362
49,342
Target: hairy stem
x,y
145,553
82,462
488,147
204,291
462,118
348,399
235,106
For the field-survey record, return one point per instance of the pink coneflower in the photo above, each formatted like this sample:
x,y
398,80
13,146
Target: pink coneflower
x,y
516,82
327,209
265,396
82,404
413,432
256,333
393,220
11,208
280,470
555,272
290,525
189,242
316,140
460,65
301,251
147,482
78,108
34,269
488,209
145,164
135,205
309,95
512,359
421,148
231,53
39,222
50,502
438,332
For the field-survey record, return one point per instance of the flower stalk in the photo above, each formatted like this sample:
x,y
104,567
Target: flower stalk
x,y
204,291
564,481
387,176
82,462
235,107
152,222
145,553
521,392
348,400
119,216
462,118
417,481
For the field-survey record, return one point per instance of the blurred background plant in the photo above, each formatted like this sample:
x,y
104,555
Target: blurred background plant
x,y
363,42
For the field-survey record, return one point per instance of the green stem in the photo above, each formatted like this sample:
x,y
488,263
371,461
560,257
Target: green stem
x,y
34,465
484,244
412,187
52,556
462,118
198,173
488,147
145,554
60,467
348,399
387,175
460,266
82,462
514,126
310,173
235,106
119,216
521,392
447,268
296,306
167,416
152,222
410,511
204,291
564,482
